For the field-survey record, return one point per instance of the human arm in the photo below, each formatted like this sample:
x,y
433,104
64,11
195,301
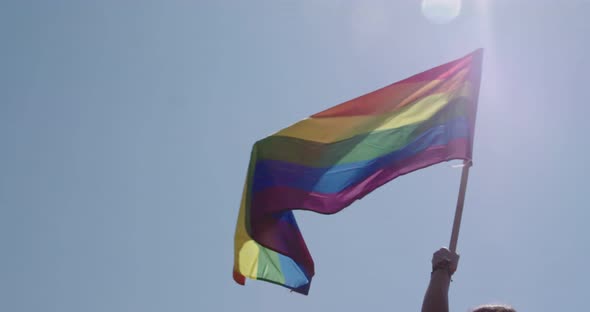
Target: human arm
x,y
444,264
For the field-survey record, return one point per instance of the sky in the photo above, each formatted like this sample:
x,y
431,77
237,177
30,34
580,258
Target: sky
x,y
126,128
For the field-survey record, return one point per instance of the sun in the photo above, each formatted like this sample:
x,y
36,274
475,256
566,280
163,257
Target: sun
x,y
441,11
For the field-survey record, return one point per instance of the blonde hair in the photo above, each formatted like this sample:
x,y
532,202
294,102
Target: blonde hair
x,y
494,308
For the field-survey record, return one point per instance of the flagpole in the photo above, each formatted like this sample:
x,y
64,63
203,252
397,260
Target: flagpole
x,y
459,209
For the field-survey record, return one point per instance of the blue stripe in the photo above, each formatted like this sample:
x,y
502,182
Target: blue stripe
x,y
294,276
271,173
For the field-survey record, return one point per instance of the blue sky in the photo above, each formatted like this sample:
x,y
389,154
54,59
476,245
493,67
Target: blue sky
x,y
126,128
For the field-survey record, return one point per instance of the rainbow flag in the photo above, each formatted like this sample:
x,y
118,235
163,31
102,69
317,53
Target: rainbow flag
x,y
329,160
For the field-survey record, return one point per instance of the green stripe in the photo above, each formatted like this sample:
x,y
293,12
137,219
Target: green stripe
x,y
268,260
269,266
358,148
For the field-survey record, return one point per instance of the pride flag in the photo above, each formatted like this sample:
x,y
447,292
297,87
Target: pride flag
x,y
329,160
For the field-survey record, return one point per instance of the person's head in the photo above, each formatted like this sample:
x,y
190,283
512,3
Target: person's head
x,y
494,308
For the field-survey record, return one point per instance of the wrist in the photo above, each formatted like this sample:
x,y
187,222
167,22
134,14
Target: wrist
x,y
442,267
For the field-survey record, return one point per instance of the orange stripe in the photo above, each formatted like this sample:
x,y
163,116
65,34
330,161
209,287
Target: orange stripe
x,y
334,129
441,79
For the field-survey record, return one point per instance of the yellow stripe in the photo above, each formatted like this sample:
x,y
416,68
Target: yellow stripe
x,y
246,249
249,259
333,129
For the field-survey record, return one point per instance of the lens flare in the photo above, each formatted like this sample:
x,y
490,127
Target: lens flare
x,y
441,11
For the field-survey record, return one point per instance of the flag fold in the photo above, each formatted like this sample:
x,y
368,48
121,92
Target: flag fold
x,y
327,161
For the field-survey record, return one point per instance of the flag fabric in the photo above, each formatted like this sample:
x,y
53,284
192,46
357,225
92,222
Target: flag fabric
x,y
329,160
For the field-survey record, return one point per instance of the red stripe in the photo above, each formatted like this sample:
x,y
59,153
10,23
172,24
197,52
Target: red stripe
x,y
239,278
402,92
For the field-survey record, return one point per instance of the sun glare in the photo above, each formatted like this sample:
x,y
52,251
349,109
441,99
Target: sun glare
x,y
441,11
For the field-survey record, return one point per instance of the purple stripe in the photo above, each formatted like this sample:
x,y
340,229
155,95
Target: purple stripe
x,y
270,206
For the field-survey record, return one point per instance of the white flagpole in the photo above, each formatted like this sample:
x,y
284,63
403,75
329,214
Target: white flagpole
x,y
459,209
